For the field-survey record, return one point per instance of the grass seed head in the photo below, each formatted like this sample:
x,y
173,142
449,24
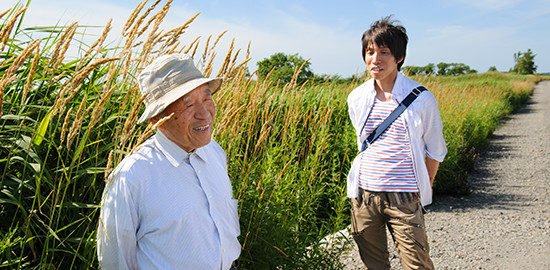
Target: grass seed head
x,y
8,27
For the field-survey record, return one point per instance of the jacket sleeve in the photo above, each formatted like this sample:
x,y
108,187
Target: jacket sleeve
x,y
433,131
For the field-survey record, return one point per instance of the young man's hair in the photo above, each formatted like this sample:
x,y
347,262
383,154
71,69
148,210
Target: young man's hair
x,y
390,34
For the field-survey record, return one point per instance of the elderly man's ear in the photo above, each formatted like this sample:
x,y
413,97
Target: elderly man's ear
x,y
155,119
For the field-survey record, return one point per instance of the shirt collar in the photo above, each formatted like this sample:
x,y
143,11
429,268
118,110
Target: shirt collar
x,y
398,91
175,154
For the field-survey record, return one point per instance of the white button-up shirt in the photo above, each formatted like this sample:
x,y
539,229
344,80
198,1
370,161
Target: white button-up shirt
x,y
164,208
423,124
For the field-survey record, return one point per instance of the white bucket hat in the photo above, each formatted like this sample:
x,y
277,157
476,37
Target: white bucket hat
x,y
167,79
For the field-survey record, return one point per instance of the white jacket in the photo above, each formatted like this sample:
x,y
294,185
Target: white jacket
x,y
424,129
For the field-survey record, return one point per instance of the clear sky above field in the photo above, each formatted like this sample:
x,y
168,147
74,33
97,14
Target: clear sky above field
x,y
478,33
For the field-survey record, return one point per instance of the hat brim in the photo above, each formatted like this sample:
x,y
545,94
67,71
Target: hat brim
x,y
161,103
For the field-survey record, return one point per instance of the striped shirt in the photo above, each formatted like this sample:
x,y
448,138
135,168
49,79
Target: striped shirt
x,y
386,165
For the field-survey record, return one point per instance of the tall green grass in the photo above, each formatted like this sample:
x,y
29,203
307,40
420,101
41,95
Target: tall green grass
x,y
289,149
66,123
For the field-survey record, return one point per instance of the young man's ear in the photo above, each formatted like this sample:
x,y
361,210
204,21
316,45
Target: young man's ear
x,y
400,60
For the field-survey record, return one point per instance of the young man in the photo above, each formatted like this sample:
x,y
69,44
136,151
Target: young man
x,y
392,178
169,205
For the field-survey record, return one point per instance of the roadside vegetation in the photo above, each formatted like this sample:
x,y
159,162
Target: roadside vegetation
x,y
65,123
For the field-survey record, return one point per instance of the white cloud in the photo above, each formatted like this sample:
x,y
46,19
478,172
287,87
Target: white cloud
x,y
332,44
326,46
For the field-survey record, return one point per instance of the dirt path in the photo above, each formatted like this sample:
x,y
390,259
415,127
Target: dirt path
x,y
505,222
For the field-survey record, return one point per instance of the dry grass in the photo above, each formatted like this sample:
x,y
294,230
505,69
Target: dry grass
x,y
8,27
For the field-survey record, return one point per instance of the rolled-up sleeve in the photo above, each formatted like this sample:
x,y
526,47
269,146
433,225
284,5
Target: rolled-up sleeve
x,y
436,148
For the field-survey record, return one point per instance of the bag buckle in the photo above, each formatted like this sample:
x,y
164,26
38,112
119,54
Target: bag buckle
x,y
416,91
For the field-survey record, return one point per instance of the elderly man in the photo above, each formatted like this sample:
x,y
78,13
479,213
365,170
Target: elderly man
x,y
169,205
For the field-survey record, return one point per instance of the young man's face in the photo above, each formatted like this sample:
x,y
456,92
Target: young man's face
x,y
191,125
381,63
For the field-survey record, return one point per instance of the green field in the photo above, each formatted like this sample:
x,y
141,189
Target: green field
x,y
66,123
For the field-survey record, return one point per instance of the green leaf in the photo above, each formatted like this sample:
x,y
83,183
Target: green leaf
x,y
78,205
41,131
93,170
18,118
80,147
50,230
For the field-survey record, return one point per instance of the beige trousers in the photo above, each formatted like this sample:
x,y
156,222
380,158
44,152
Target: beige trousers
x,y
403,215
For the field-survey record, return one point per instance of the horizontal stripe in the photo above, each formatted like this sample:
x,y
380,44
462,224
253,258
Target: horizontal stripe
x,y
392,173
415,189
386,165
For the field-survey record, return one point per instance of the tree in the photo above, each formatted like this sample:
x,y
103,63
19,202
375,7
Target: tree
x,y
451,69
525,62
442,68
459,69
492,68
427,70
454,69
284,66
411,70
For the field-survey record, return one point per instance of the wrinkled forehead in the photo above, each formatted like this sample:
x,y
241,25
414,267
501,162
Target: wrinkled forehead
x,y
203,89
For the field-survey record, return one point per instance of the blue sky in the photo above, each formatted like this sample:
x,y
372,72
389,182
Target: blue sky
x,y
480,33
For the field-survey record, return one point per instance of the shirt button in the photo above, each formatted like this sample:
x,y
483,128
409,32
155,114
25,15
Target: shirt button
x,y
223,250
217,223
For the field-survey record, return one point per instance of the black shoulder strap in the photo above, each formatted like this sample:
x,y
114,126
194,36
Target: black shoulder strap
x,y
393,115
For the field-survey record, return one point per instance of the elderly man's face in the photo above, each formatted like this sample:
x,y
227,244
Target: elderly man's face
x,y
191,125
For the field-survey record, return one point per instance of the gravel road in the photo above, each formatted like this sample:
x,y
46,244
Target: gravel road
x,y
505,222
